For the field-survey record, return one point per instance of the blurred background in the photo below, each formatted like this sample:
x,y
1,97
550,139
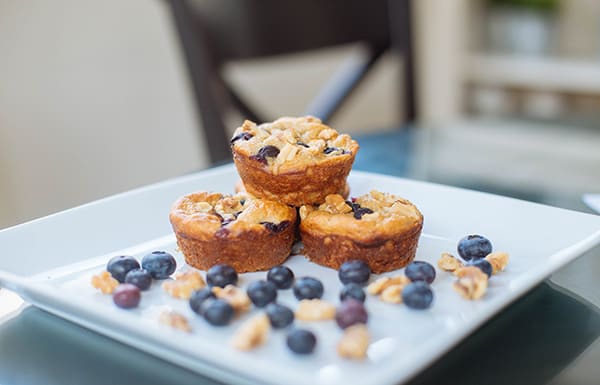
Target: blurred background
x,y
98,97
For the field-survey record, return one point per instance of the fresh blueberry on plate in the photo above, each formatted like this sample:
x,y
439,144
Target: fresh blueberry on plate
x,y
261,293
351,312
198,297
221,275
420,271
119,266
280,316
354,291
308,288
301,341
159,264
417,295
355,271
140,278
127,296
217,312
474,247
281,276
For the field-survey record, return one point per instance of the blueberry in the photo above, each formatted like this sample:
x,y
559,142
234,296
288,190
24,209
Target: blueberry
x,y
355,271
127,296
351,312
279,315
354,291
335,150
140,278
474,246
119,266
198,297
264,153
417,295
281,276
159,264
483,265
221,275
262,293
276,228
420,271
242,136
308,288
357,210
301,341
358,213
217,312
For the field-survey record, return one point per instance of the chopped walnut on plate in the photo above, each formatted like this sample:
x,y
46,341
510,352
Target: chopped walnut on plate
x,y
184,284
472,283
104,282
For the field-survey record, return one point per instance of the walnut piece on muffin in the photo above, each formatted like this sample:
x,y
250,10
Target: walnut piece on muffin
x,y
246,233
379,228
296,161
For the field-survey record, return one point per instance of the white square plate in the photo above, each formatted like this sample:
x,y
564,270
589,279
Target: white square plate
x,y
52,259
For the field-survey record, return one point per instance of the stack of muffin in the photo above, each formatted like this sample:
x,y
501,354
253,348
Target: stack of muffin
x,y
293,184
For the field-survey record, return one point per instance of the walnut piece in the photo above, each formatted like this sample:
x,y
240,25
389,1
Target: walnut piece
x,y
315,310
335,204
105,282
229,206
288,152
175,320
377,287
472,283
449,262
392,293
184,284
237,298
203,207
328,134
498,260
354,342
252,333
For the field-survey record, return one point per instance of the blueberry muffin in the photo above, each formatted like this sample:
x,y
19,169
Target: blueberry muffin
x,y
247,233
381,229
295,161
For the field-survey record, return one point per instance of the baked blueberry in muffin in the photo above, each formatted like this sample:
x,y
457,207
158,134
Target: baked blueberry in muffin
x,y
247,233
295,161
380,229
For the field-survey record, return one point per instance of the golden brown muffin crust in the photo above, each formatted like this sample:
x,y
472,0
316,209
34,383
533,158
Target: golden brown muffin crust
x,y
293,160
247,233
301,142
202,214
381,229
389,215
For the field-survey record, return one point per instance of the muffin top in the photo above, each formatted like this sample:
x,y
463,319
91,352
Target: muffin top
x,y
369,216
292,144
204,215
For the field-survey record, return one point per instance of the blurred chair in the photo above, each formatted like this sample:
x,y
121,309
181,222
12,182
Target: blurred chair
x,y
214,32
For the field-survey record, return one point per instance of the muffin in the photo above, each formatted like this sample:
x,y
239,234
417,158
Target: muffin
x,y
247,233
381,229
295,161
